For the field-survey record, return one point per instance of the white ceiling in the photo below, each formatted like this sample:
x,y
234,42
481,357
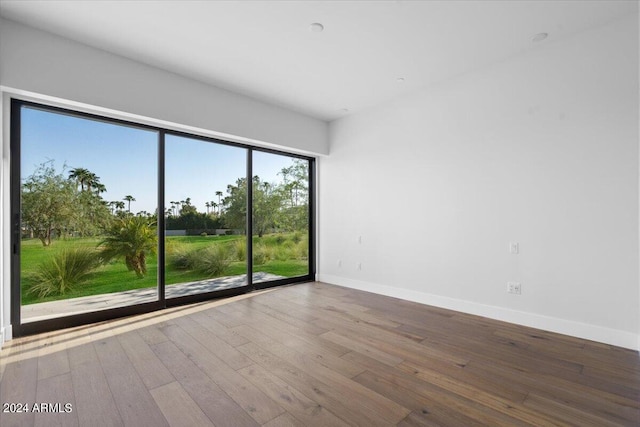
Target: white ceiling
x,y
265,49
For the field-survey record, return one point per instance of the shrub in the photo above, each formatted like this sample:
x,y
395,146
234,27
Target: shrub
x,y
212,260
285,251
178,256
204,234
261,254
296,237
131,238
301,250
240,249
64,270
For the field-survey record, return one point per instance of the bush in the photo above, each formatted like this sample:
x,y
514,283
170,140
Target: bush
x,y
261,254
204,234
178,256
240,249
212,260
63,271
296,237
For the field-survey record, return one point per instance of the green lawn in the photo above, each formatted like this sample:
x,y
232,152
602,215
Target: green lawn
x,y
281,255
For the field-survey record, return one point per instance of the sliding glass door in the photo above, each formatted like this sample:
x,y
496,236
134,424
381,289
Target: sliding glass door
x,y
113,218
280,199
206,219
88,215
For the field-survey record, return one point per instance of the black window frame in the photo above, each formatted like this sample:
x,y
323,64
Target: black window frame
x,y
61,322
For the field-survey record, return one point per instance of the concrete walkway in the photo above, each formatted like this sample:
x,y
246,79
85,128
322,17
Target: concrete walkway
x,y
48,310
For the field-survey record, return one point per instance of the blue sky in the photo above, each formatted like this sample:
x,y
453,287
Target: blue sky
x,y
125,159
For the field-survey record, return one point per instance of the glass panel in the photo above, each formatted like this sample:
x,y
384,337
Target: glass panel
x,y
280,217
205,198
88,222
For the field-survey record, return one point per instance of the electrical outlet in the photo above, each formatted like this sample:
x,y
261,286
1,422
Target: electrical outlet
x,y
514,248
514,288
339,263
359,266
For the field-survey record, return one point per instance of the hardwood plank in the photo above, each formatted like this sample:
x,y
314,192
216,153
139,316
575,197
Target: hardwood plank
x,y
94,402
52,359
322,350
152,372
296,403
569,414
152,334
221,331
594,401
221,409
135,404
18,385
285,315
363,348
423,409
317,354
476,393
56,391
178,407
258,405
331,398
469,407
209,340
375,404
285,420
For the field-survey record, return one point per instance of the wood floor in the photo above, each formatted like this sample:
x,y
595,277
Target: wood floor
x,y
316,355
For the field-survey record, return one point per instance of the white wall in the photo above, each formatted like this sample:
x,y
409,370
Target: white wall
x,y
41,66
35,61
541,149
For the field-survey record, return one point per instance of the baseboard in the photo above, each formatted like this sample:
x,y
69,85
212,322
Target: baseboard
x,y
5,335
547,323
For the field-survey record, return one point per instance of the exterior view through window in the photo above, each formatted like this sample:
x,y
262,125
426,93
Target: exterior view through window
x,y
91,238
205,247
280,216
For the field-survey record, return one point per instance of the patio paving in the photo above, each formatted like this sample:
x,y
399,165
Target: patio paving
x,y
48,310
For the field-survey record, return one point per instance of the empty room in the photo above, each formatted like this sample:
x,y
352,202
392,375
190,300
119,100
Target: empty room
x,y
320,213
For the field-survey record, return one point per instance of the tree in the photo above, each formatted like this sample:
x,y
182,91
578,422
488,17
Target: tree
x,y
129,199
81,176
266,205
219,194
100,188
87,180
294,212
47,203
132,238
235,202
90,214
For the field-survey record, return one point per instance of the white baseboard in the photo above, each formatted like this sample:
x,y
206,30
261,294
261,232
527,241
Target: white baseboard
x,y
553,324
5,335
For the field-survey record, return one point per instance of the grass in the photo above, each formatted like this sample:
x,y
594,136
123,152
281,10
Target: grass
x,y
282,256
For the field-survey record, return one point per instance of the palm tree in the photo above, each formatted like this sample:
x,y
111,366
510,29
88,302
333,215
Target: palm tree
x,y
100,188
132,238
129,199
208,206
81,175
118,204
92,180
219,194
